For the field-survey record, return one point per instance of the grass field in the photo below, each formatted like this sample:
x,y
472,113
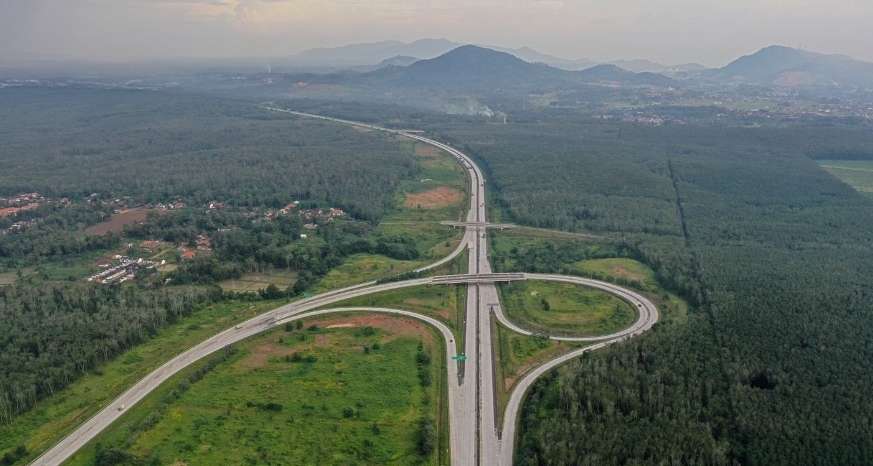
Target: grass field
x,y
362,268
856,173
566,309
57,415
8,278
434,241
517,354
256,281
352,395
618,269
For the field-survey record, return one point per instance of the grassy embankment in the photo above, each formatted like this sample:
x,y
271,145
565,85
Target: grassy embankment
x,y
53,417
856,173
336,390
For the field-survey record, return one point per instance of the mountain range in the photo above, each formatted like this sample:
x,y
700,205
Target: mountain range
x,y
470,67
446,64
370,54
771,66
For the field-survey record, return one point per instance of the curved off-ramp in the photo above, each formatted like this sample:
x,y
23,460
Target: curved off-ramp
x,y
647,312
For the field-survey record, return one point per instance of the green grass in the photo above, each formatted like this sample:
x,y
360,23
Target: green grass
x,y
434,241
55,416
361,268
517,354
856,173
565,309
254,282
618,270
346,407
70,268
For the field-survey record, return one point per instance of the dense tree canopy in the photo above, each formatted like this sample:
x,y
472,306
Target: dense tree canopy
x,y
775,254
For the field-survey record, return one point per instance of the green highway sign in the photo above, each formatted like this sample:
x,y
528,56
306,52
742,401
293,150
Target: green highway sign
x,y
460,357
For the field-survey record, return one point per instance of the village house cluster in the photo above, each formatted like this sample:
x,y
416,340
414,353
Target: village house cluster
x,y
123,271
203,245
12,206
123,203
20,203
311,217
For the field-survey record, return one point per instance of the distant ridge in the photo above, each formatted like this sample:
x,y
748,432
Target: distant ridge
x,y
790,67
613,73
371,53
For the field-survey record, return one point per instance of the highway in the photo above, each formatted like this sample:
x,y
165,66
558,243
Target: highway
x,y
475,438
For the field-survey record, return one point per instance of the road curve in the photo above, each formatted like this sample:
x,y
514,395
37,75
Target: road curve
x,y
647,317
510,417
647,312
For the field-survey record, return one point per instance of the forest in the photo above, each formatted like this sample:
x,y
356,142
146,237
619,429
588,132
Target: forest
x,y
54,333
774,254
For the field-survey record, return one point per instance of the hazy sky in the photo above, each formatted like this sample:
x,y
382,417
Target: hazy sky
x,y
711,32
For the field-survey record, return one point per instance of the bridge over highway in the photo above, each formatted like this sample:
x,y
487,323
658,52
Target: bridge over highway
x,y
499,226
476,278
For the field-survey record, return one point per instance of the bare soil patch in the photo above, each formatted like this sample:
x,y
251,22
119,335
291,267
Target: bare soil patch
x,y
425,150
116,223
261,354
437,198
395,325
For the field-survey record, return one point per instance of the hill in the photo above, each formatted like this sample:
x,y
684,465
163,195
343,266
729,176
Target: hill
x,y
398,60
785,66
614,74
472,67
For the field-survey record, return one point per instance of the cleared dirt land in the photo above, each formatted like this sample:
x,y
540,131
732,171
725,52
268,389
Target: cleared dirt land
x,y
436,198
254,282
424,150
116,223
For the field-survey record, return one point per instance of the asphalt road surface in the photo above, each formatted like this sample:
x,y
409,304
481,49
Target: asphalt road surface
x,y
475,436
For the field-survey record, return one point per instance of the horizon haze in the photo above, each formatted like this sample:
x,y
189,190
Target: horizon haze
x,y
673,32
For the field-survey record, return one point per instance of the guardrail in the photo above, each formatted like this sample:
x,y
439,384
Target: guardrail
x,y
477,278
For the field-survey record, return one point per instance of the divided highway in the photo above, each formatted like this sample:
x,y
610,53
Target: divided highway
x,y
475,438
